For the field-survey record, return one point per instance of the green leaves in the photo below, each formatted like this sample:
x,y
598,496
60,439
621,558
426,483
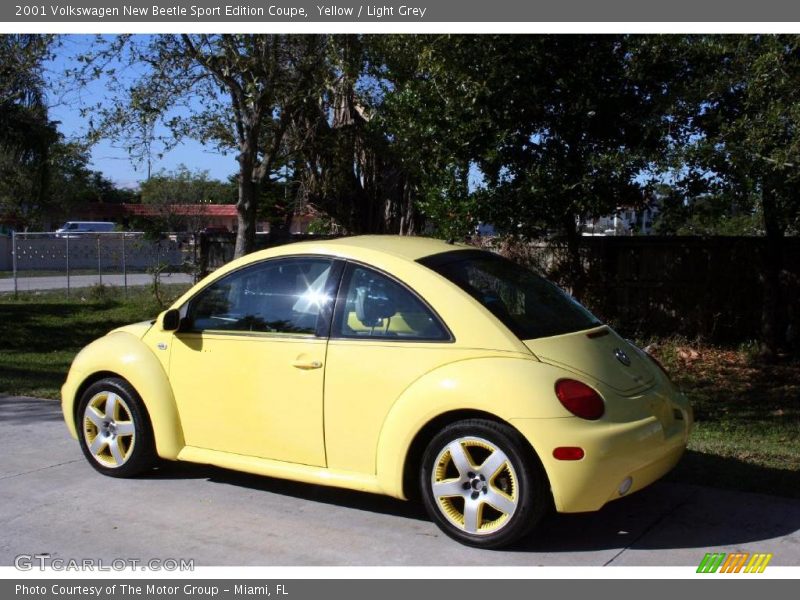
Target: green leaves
x,y
558,126
26,132
740,124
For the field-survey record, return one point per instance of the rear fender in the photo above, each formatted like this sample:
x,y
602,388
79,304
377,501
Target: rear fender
x,y
505,388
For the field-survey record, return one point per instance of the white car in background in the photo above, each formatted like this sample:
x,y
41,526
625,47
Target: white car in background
x,y
78,228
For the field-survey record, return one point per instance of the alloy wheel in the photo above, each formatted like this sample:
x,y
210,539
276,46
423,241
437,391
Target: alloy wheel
x,y
108,429
475,485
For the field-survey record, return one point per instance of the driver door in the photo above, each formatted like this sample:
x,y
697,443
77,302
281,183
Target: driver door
x,y
247,364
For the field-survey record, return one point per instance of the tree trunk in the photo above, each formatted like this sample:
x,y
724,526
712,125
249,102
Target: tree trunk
x,y
246,213
409,218
772,322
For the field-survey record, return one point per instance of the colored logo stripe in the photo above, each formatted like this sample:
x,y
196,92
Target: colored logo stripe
x,y
711,562
734,563
758,563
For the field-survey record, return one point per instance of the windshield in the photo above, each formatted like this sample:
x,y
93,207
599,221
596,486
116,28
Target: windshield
x,y
528,304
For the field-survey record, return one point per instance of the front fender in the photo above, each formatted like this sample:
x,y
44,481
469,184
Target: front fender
x,y
124,355
505,387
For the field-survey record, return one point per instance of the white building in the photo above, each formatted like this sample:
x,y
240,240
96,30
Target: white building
x,y
625,221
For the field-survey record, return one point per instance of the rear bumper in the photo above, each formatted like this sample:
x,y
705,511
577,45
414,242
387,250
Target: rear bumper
x,y
642,450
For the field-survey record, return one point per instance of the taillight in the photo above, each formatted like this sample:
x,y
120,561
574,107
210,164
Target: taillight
x,y
579,399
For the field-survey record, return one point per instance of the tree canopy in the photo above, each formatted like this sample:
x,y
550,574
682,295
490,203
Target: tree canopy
x,y
26,133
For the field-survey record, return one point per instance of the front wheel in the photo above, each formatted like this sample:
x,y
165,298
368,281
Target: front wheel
x,y
114,429
481,485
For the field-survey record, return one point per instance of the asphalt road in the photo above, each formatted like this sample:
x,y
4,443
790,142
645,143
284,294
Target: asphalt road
x,y
57,282
52,501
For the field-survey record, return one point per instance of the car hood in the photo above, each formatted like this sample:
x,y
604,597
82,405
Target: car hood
x,y
135,329
594,353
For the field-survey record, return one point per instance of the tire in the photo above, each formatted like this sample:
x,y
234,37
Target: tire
x,y
114,429
482,485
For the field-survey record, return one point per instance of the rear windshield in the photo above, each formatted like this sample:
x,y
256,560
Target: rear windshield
x,y
528,304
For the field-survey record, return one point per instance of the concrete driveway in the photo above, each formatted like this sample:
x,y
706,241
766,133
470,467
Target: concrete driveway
x,y
52,501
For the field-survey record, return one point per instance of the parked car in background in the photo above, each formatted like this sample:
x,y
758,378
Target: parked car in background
x,y
78,228
396,365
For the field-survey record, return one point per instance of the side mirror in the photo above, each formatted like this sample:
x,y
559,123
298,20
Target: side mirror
x,y
171,320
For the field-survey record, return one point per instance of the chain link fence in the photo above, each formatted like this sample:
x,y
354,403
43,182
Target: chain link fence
x,y
47,261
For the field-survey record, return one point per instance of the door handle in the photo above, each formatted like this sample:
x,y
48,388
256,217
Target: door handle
x,y
307,364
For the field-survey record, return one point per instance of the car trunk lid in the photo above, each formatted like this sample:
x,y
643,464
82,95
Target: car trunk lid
x,y
600,354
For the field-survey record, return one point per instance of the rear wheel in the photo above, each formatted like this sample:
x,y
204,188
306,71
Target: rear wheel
x,y
114,429
480,484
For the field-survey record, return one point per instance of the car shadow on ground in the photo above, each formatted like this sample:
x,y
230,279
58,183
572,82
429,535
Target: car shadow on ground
x,y
314,493
731,473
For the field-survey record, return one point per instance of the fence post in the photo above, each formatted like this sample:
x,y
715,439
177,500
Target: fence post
x,y
14,259
99,266
66,240
195,266
124,266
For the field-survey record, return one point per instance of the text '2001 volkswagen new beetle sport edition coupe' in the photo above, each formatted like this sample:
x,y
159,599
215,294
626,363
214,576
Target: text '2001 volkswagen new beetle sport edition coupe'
x,y
395,365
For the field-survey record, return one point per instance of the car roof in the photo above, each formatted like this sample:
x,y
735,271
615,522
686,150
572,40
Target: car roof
x,y
403,246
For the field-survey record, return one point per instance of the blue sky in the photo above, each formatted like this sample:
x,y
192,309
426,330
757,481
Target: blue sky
x,y
107,157
112,161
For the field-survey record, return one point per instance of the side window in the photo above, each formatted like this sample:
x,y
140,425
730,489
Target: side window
x,y
375,306
277,296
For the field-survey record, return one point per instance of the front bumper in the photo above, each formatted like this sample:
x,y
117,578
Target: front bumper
x,y
643,450
68,398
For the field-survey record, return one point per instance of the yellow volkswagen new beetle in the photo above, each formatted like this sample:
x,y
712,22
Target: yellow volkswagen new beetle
x,y
394,365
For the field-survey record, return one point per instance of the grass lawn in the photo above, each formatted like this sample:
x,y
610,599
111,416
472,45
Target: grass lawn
x,y
40,333
747,435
